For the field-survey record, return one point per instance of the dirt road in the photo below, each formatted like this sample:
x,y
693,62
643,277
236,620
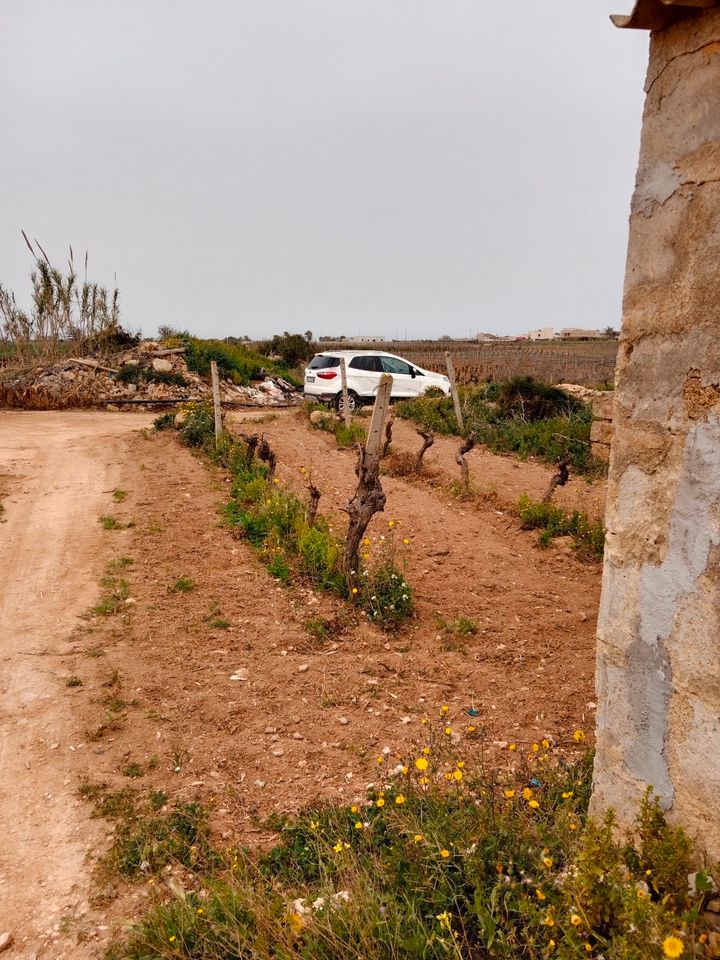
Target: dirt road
x,y
59,471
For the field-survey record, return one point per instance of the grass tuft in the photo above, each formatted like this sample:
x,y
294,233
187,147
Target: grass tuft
x,y
551,521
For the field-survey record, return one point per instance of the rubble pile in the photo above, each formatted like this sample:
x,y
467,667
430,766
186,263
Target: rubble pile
x,y
144,375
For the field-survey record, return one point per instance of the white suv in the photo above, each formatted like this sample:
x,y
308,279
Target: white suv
x,y
364,369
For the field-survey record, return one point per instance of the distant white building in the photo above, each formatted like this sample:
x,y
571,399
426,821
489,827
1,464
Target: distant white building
x,y
575,333
542,333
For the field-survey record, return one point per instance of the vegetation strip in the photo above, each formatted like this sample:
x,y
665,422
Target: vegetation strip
x,y
292,539
520,416
446,857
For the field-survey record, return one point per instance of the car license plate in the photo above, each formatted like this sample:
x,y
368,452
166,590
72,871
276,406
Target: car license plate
x,y
310,379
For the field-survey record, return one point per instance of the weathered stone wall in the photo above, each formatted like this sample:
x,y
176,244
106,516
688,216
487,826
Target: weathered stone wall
x,y
658,671
601,432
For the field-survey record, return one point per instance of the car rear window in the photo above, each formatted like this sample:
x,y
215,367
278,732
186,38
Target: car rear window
x,y
322,363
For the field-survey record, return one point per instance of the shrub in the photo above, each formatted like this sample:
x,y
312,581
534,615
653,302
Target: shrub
x,y
199,425
349,435
319,557
134,374
554,522
386,596
292,348
518,416
165,421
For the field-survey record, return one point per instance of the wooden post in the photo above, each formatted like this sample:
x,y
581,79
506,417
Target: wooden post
x,y
369,497
453,389
216,399
345,405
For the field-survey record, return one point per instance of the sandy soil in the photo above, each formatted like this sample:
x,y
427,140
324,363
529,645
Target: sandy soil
x,y
313,716
58,472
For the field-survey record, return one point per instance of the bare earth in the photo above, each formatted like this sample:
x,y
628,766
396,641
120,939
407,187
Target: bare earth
x,y
314,714
59,469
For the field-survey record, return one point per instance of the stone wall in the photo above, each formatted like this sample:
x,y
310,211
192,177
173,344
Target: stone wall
x,y
601,432
658,670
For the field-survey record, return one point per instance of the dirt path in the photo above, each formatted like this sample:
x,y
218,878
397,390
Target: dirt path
x,y
59,471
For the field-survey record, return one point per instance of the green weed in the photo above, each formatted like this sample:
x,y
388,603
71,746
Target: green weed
x,y
109,522
165,421
589,535
73,681
182,585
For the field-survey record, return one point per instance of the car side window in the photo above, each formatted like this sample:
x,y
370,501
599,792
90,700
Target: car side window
x,y
362,363
393,365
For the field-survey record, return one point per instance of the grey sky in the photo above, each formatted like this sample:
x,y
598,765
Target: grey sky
x,y
347,166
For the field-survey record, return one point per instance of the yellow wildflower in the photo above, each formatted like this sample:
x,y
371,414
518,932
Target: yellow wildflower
x,y
579,736
512,746
403,769
354,808
391,523
548,861
296,922
539,894
418,838
471,728
399,799
567,794
444,709
575,920
406,541
573,826
380,802
424,781
276,481
535,747
172,939
358,825
509,794
673,946
338,847
546,744
421,763
527,793
533,804
448,731
549,921
444,854
460,764
588,948
426,750
458,775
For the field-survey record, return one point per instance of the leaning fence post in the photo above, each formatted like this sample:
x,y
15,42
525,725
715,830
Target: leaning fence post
x,y
453,389
369,497
216,399
345,404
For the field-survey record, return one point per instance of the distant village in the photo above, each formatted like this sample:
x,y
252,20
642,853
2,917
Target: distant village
x,y
542,333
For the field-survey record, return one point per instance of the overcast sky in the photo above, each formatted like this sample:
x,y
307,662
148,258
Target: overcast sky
x,y
419,167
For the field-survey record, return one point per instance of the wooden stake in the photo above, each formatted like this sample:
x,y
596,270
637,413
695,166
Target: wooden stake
x,y
369,497
454,391
347,417
216,399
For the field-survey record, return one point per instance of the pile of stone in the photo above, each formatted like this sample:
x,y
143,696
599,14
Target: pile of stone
x,y
146,376
601,402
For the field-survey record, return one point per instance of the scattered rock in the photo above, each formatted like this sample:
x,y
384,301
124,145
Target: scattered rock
x,y
6,940
343,720
241,674
161,365
303,667
714,905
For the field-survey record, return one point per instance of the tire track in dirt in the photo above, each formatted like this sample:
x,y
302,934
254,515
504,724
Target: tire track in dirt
x,y
61,468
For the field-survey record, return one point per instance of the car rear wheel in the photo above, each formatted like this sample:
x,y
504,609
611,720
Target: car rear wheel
x,y
353,402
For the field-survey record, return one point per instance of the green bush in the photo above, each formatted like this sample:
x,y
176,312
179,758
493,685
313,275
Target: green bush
x,y
518,416
133,374
554,522
293,349
165,421
319,557
199,425
385,595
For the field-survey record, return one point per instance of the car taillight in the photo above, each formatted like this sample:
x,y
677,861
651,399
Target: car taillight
x,y
327,375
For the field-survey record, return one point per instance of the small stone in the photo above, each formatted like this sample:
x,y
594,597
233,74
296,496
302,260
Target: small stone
x,y
260,784
270,729
297,735
343,720
278,753
161,365
303,667
714,905
583,617
241,674
6,940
